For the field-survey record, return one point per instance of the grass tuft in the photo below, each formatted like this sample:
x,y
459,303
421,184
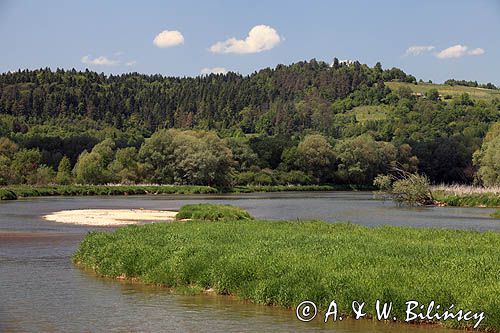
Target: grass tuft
x,y
210,212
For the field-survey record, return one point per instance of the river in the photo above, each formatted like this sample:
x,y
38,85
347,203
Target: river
x,y
41,291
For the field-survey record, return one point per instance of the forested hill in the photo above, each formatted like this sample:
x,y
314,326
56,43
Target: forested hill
x,y
266,101
299,123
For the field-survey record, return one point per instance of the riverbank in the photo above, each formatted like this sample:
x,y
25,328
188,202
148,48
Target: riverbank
x,y
15,192
284,263
467,196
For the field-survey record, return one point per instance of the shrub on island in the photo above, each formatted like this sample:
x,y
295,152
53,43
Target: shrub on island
x,y
210,212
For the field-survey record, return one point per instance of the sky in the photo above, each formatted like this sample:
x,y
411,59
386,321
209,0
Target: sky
x,y
430,39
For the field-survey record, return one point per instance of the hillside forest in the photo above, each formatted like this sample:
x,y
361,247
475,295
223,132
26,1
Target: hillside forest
x,y
306,123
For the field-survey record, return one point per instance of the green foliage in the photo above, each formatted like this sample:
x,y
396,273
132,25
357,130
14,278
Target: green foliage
x,y
487,158
63,176
432,95
453,82
7,147
6,194
496,214
187,157
43,175
467,200
413,189
268,177
383,183
282,188
367,113
285,263
24,165
126,167
360,159
243,156
410,189
445,89
210,212
91,169
263,117
315,156
81,190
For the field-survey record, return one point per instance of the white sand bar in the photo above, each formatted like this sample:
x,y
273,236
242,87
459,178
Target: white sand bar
x,y
110,217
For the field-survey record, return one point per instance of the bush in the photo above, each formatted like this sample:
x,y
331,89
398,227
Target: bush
x,y
383,183
42,176
7,195
209,212
268,177
295,177
412,190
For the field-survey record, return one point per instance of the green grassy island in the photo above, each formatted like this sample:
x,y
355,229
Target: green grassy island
x,y
284,263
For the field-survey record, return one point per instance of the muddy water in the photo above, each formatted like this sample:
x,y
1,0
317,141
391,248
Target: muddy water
x,y
41,291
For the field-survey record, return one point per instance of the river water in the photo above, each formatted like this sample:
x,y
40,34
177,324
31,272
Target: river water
x,y
41,291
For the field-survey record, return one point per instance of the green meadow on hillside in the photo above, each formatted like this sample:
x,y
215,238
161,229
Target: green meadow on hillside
x,y
371,112
475,93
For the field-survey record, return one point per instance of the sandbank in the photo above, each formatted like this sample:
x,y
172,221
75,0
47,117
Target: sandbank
x,y
110,217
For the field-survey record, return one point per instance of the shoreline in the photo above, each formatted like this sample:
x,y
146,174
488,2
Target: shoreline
x,y
442,197
193,290
25,191
110,217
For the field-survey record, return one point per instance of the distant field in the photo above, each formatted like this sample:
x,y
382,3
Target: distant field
x,y
475,93
371,112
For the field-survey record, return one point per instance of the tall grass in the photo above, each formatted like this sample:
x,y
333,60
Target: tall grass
x,y
82,190
211,212
285,263
467,196
297,188
466,189
13,192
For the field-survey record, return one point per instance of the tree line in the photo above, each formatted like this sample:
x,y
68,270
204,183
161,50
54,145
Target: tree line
x,y
295,124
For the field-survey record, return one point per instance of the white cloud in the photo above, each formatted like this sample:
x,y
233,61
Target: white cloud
x,y
168,38
260,38
214,70
476,51
457,51
105,61
418,49
100,61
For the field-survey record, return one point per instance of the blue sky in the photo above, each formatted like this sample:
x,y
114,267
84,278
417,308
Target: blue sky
x,y
450,39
